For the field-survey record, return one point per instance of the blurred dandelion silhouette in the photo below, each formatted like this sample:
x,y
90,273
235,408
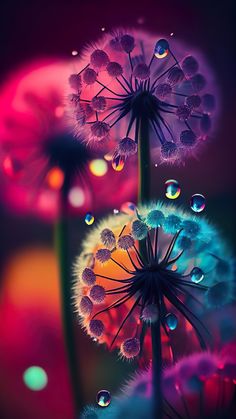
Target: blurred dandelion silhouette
x,y
38,159
127,77
199,386
121,292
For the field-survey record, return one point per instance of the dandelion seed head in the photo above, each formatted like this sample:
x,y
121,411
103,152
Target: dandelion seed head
x,y
141,71
208,102
99,58
97,294
96,328
130,348
190,65
103,255
193,101
127,147
89,76
127,43
134,284
75,81
114,69
163,90
85,306
188,138
139,74
108,238
125,242
88,276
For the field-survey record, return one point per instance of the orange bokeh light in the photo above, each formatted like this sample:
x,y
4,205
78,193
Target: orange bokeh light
x,y
55,178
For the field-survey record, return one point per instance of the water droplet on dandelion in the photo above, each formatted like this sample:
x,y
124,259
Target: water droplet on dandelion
x,y
89,219
171,321
161,48
128,208
103,398
196,275
198,202
172,189
118,163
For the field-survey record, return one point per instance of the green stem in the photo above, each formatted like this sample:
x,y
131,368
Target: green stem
x,y
62,243
144,198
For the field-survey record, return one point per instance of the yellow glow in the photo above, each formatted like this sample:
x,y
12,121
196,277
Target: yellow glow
x,y
98,167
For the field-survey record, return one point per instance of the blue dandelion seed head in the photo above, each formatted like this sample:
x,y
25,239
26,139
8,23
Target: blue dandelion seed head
x,y
139,229
172,223
155,218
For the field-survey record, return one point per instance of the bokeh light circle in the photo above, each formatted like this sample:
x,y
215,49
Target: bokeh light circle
x,y
35,378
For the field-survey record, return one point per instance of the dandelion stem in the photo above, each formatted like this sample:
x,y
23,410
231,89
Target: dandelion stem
x,y
144,161
61,244
157,370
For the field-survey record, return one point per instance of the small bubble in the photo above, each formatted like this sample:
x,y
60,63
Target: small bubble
x,y
103,398
196,275
198,202
172,34
89,219
172,189
118,163
74,52
171,321
103,29
128,208
156,164
161,48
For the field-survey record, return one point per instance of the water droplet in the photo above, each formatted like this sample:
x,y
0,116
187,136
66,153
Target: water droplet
x,y
118,163
103,29
103,398
12,167
196,275
74,53
89,219
198,202
98,167
128,208
171,321
172,189
161,48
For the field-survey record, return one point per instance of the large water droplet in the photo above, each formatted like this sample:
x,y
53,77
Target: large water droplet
x,y
118,163
89,218
196,275
128,208
161,48
171,321
103,398
172,189
198,202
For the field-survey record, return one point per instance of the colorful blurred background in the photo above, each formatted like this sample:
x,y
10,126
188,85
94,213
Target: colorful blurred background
x,y
39,37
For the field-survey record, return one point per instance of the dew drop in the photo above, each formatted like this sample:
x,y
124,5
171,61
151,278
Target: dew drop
x,y
89,219
128,208
118,163
171,321
172,189
161,48
198,202
196,275
103,398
